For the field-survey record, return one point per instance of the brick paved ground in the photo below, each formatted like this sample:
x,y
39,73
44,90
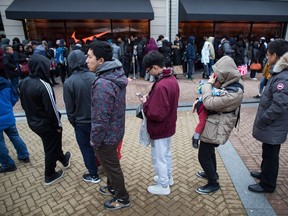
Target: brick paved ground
x,y
23,192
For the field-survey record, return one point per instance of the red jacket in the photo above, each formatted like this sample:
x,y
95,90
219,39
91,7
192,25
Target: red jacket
x,y
161,106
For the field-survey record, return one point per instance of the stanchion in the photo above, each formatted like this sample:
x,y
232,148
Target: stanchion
x,y
133,64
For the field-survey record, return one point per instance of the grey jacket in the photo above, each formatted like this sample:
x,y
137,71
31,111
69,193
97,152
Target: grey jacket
x,y
77,89
223,110
270,125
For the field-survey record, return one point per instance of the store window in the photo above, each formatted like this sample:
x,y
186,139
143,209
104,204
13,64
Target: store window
x,y
268,30
51,30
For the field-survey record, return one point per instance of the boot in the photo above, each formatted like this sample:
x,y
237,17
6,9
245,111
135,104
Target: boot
x,y
195,143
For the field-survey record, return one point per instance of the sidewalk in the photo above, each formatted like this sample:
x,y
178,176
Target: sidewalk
x,y
23,192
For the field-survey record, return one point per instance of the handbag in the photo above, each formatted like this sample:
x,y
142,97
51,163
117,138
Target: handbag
x,y
25,68
177,69
255,66
144,137
139,110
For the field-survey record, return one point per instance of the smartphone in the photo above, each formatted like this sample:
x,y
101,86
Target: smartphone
x,y
138,94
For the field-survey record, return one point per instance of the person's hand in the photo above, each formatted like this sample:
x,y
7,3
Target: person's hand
x,y
212,79
143,99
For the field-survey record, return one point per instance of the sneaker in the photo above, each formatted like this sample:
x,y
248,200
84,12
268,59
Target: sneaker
x,y
208,189
25,160
91,178
159,189
171,180
8,169
195,143
257,96
202,174
106,190
56,176
68,156
255,79
116,203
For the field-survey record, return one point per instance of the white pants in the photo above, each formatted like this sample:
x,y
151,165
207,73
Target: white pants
x,y
162,160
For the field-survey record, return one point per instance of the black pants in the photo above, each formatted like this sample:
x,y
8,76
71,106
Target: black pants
x,y
269,166
61,69
207,160
52,142
107,155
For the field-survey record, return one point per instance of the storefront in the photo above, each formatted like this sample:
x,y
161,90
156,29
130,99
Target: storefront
x,y
82,19
248,19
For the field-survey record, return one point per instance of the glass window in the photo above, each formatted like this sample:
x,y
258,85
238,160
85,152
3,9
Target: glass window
x,y
267,30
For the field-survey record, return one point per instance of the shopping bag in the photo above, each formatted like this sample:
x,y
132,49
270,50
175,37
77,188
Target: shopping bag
x,y
242,69
177,69
144,137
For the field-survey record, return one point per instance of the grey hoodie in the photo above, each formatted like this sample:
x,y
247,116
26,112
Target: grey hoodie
x,y
77,89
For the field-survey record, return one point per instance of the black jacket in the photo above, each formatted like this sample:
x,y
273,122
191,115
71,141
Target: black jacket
x,y
37,97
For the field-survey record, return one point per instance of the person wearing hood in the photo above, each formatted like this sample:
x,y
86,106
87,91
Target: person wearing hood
x,y
108,104
223,115
191,56
77,98
270,125
38,101
160,109
8,98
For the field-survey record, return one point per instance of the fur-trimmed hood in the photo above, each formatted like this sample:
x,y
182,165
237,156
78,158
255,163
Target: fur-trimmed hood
x,y
281,65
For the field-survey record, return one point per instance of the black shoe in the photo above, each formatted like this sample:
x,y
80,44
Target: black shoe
x,y
68,156
202,174
116,203
195,143
106,190
256,188
255,174
51,179
257,96
208,189
8,169
25,160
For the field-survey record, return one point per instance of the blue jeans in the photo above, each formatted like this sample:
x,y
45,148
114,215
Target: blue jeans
x,y
191,69
82,132
19,145
211,63
262,84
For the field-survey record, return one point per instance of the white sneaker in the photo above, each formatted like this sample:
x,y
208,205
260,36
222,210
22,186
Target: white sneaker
x,y
254,78
159,190
171,180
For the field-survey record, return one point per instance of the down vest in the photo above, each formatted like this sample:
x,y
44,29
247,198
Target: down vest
x,y
224,108
270,125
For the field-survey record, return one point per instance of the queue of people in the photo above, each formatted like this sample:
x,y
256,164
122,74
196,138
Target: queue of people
x,y
99,118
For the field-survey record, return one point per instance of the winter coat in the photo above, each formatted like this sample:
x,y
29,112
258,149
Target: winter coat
x,y
212,50
161,106
270,125
190,53
77,89
165,50
151,45
108,104
8,98
10,65
38,98
223,110
116,51
205,53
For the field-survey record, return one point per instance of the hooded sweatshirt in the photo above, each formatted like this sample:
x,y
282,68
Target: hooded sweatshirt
x,y
8,98
108,104
77,89
270,125
38,98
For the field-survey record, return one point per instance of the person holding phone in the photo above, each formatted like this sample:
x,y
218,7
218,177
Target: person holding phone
x,y
160,109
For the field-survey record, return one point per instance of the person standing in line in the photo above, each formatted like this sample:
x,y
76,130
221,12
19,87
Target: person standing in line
x,y
77,98
8,98
38,101
160,109
108,106
223,115
191,56
270,125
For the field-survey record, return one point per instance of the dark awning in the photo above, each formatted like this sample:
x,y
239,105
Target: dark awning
x,y
80,9
233,10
